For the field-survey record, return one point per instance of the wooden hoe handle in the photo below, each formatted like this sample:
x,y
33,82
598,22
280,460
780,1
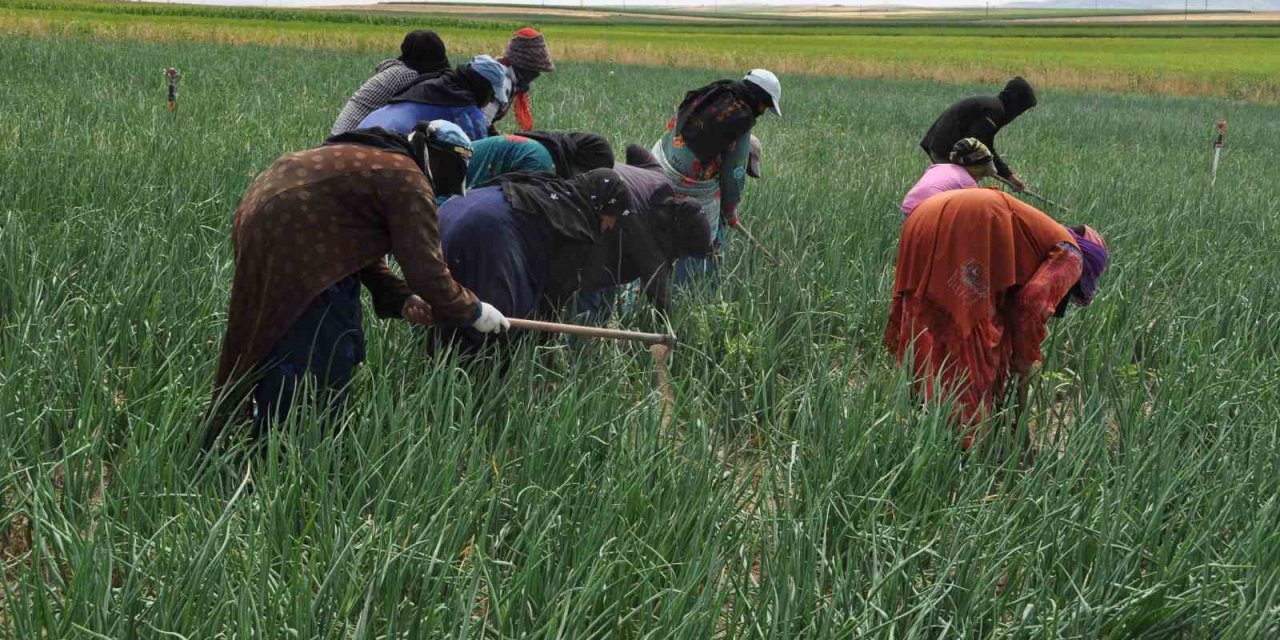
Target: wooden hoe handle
x,y
593,332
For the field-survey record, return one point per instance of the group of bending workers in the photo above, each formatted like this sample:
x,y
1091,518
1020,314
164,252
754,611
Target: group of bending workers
x,y
483,226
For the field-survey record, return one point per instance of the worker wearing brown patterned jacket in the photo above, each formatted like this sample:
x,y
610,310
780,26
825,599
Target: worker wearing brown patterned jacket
x,y
310,230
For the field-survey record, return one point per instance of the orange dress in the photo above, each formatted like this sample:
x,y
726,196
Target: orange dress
x,y
979,274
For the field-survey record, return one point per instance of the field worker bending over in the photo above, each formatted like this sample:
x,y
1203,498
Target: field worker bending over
x,y
979,275
460,96
421,53
970,162
499,241
314,227
660,230
706,149
527,58
980,117
561,154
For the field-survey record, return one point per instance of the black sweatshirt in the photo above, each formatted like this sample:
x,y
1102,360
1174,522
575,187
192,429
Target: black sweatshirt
x,y
979,117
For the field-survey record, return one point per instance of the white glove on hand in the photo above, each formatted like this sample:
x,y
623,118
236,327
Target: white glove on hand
x,y
491,320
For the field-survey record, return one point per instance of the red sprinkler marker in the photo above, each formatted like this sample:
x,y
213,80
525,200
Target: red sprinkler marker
x,y
171,76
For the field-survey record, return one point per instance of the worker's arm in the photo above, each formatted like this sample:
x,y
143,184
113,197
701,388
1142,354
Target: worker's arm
x,y
657,288
387,289
1037,300
733,177
985,129
414,227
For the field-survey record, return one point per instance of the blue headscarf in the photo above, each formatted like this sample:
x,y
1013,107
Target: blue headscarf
x,y
448,133
496,73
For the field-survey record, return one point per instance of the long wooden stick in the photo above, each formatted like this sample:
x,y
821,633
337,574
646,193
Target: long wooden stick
x,y
660,347
1035,195
757,243
667,339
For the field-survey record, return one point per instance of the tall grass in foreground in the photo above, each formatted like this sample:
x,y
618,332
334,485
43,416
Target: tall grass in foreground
x,y
802,492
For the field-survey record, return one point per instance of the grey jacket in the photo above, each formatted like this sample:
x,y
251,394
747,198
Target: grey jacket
x,y
392,77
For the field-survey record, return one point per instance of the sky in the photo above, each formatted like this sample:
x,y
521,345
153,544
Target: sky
x,y
1219,4
597,3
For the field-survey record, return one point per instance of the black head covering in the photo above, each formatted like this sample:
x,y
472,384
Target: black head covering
x,y
382,140
712,117
1017,97
453,88
444,166
638,156
574,152
573,207
424,52
447,170
682,229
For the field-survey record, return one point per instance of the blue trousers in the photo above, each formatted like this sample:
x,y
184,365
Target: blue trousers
x,y
325,344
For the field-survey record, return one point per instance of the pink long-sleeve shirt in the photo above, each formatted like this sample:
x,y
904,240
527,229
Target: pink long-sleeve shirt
x,y
936,179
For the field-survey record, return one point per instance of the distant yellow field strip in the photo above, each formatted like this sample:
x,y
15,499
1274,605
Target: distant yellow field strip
x,y
1243,68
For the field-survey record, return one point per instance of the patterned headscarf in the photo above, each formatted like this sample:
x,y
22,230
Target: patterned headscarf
x,y
970,152
1096,258
528,49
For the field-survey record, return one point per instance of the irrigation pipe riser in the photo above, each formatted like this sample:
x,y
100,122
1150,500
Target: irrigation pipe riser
x,y
1217,151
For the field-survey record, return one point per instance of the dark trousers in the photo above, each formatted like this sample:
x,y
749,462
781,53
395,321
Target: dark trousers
x,y
325,345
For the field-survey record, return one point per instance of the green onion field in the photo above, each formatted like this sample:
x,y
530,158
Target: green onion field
x,y
799,491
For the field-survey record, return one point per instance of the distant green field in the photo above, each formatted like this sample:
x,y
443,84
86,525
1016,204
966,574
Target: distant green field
x,y
1240,60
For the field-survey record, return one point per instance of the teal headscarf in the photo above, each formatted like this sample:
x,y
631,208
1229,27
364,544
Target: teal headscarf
x,y
496,156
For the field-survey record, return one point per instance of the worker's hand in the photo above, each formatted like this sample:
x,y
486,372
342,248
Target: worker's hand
x,y
415,310
729,215
1017,183
491,320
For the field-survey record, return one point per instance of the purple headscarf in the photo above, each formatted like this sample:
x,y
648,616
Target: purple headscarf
x,y
1093,249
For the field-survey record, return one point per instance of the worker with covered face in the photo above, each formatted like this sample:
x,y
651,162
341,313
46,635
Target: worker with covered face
x,y
309,233
661,230
468,96
980,117
979,275
422,55
526,59
501,240
563,154
706,149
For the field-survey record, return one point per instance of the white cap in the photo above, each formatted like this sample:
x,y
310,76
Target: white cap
x,y
765,79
